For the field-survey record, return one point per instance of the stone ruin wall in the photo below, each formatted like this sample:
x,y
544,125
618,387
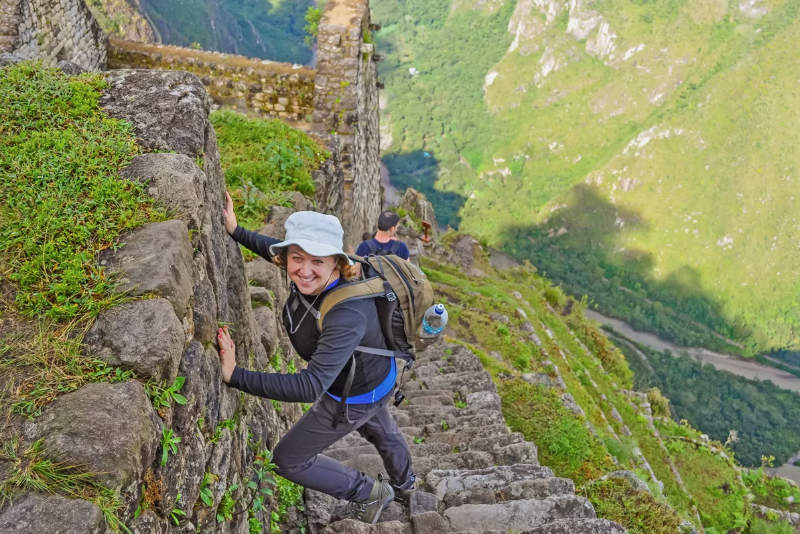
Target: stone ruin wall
x,y
337,102
53,31
266,88
346,109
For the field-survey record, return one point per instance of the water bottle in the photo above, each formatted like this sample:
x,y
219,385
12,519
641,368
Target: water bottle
x,y
434,320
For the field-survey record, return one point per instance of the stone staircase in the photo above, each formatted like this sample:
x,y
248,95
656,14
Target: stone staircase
x,y
474,475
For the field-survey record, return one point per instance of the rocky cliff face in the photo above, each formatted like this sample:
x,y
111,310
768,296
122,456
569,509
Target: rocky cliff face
x,y
123,19
194,276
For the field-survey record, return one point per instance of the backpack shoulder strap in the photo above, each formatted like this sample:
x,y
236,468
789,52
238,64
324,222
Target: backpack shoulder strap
x,y
372,247
395,246
363,289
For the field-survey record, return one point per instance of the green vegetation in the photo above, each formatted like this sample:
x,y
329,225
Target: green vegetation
x,y
59,159
169,444
616,499
548,348
163,397
263,161
60,154
312,17
32,470
288,495
658,181
773,492
766,418
206,494
269,29
565,444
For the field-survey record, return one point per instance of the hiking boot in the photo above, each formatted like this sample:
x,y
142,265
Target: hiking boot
x,y
402,492
369,511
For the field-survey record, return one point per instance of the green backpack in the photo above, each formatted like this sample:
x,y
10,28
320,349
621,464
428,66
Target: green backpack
x,y
402,293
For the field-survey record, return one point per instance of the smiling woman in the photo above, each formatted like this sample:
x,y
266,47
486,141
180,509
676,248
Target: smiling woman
x,y
350,389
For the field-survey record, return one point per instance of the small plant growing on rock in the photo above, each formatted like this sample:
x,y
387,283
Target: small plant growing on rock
x,y
206,495
226,504
230,424
162,397
177,514
169,442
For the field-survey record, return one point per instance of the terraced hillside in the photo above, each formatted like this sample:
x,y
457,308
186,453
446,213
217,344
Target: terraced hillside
x,y
638,152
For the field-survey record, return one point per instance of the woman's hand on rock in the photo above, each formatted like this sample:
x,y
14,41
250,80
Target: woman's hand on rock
x,y
227,353
228,216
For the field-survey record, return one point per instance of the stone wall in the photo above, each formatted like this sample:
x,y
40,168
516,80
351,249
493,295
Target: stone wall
x,y
195,278
267,88
339,98
346,109
57,30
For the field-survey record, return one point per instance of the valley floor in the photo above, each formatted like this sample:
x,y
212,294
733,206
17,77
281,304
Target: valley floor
x,y
722,362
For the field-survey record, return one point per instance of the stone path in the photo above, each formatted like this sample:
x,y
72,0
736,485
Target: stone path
x,y
474,474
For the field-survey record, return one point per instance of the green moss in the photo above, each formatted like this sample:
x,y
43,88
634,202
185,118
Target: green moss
x,y
63,203
565,444
636,510
263,161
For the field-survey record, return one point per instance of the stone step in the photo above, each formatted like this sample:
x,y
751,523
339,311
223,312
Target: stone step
x,y
518,515
418,450
445,367
429,400
422,393
578,526
351,526
516,490
454,418
372,464
457,436
463,383
450,480
478,400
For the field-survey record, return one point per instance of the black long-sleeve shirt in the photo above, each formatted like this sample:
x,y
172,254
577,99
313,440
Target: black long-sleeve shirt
x,y
346,325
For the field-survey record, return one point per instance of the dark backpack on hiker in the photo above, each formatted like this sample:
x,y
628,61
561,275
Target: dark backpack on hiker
x,y
374,249
402,293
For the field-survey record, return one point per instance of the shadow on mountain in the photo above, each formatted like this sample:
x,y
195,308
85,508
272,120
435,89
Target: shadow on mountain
x,y
419,169
579,247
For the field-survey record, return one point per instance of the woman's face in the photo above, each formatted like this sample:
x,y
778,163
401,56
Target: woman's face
x,y
311,274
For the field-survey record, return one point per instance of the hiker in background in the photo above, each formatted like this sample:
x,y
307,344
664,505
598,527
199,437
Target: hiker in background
x,y
313,258
385,240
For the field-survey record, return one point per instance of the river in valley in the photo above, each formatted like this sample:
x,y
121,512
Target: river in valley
x,y
722,362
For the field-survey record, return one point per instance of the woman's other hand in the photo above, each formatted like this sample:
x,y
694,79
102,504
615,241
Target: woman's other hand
x,y
228,216
227,353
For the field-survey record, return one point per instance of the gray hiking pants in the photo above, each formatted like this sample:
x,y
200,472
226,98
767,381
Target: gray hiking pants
x,y
298,457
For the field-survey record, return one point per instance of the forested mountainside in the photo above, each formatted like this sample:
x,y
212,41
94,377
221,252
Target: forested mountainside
x,y
638,152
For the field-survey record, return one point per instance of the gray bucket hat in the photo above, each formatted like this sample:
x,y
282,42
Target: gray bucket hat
x,y
316,233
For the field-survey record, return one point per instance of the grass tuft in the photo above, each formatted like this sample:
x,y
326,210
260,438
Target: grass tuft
x,y
32,470
264,161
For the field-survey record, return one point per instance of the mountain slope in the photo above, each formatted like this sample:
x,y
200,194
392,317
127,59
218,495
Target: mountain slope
x,y
256,28
638,152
